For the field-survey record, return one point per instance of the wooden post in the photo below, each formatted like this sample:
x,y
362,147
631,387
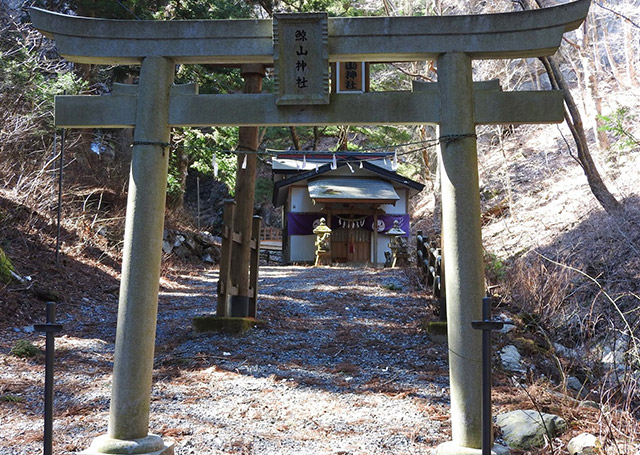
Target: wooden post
x,y
375,238
244,195
254,267
286,257
442,289
224,281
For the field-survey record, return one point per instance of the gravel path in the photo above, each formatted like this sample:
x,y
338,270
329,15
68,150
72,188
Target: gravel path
x,y
340,368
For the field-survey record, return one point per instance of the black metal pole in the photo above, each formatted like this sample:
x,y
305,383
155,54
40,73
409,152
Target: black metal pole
x,y
486,325
487,434
48,381
50,329
53,158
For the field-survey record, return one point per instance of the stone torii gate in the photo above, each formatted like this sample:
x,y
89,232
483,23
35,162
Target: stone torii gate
x,y
154,105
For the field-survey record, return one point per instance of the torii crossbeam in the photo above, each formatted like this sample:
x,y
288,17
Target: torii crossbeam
x,y
455,103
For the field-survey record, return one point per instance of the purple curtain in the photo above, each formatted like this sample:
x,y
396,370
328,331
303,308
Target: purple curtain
x,y
302,223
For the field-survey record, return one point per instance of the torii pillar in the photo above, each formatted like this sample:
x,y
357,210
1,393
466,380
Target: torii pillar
x,y
462,241
128,430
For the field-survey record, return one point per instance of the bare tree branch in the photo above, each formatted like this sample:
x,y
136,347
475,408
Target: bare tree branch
x,y
626,18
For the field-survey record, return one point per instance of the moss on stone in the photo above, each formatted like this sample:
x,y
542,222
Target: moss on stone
x,y
436,327
528,346
210,323
437,330
5,268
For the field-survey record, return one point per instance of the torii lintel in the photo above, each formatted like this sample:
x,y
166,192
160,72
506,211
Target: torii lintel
x,y
519,34
187,108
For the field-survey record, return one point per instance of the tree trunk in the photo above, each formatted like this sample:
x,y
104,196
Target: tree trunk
x,y
574,120
182,164
295,138
589,80
615,69
343,137
629,53
601,135
316,137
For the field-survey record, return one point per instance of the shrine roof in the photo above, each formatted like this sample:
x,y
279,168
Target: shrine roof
x,y
352,189
294,161
368,170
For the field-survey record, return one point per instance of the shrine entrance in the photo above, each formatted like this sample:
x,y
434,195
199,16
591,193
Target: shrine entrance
x,y
351,244
301,48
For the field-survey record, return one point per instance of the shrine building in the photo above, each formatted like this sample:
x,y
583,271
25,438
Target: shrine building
x,y
353,191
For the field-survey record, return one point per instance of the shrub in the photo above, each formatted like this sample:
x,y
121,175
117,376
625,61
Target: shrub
x,y
495,268
5,268
25,349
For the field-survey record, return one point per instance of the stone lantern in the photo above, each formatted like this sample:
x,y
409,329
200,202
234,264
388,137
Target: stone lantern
x,y
323,243
398,245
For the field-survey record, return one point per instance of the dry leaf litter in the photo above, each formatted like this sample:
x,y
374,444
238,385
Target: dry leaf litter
x,y
341,367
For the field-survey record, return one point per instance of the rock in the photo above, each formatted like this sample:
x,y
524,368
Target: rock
x,y
182,251
511,359
213,252
589,404
207,239
564,351
525,429
576,386
508,326
191,243
613,358
583,444
179,240
167,247
614,352
207,259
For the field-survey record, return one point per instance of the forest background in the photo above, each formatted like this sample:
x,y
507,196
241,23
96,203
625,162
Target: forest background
x,y
561,245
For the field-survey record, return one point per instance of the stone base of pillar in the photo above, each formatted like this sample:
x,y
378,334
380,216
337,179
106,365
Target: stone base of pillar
x,y
151,445
449,448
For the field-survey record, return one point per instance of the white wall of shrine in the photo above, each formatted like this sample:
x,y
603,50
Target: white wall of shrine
x,y
302,248
300,202
383,245
401,206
